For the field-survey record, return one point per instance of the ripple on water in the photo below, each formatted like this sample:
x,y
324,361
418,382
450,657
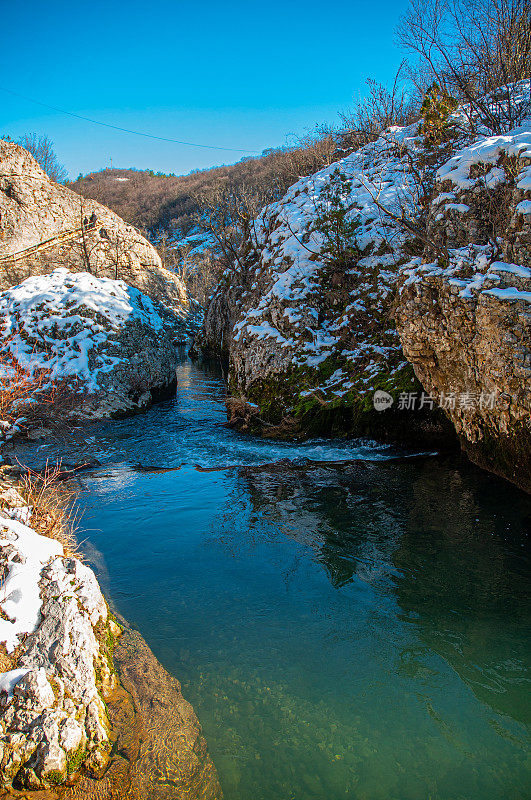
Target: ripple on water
x,y
353,630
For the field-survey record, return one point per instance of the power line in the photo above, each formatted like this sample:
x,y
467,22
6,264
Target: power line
x,y
126,130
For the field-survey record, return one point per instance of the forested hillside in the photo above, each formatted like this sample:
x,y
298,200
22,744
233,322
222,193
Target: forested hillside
x,y
154,201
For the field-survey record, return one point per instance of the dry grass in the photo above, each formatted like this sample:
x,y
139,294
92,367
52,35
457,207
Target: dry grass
x,y
52,503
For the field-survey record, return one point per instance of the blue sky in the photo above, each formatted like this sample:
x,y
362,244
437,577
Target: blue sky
x,y
233,74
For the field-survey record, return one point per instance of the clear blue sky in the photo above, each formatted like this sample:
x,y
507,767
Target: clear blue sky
x,y
235,74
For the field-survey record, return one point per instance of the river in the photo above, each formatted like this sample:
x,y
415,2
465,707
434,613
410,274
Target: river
x,y
347,620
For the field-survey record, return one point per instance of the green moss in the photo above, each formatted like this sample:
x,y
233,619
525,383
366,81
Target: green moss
x,y
55,777
352,414
75,760
107,642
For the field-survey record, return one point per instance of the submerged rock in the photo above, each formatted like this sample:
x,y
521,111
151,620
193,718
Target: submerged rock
x,y
102,343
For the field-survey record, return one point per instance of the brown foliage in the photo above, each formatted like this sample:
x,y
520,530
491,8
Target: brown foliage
x,y
154,201
29,399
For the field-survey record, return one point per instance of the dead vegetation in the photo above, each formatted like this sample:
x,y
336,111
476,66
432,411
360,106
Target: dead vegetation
x,y
32,399
52,504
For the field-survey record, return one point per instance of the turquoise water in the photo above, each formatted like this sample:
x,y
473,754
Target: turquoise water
x,y
355,629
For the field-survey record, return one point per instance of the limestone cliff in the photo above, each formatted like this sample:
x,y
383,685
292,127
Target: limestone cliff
x,y
44,225
402,270
465,321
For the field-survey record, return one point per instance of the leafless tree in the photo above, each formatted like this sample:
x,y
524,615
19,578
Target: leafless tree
x,y
377,111
42,150
232,216
473,50
118,252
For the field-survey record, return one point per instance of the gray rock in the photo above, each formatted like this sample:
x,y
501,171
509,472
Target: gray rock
x,y
116,337
57,711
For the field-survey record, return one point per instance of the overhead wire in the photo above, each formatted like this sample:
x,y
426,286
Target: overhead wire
x,y
126,130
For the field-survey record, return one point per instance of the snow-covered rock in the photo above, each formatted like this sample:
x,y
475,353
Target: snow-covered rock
x,y
465,320
44,226
482,192
310,336
99,339
55,629
431,306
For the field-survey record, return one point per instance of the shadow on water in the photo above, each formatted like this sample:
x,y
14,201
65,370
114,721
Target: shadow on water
x,y
434,534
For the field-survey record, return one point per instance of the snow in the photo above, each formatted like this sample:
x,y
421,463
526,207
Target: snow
x,y
8,680
514,269
524,207
470,269
197,242
462,208
510,294
19,594
57,322
488,151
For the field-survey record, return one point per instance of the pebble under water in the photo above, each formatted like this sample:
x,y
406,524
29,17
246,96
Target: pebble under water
x,y
346,623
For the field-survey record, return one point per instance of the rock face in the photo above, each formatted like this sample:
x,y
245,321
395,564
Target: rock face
x,y
103,342
55,629
402,270
465,322
59,649
44,226
308,322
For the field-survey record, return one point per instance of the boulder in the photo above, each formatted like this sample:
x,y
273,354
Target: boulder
x,y
102,343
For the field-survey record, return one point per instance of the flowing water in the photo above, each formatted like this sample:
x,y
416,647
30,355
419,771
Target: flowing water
x,y
346,623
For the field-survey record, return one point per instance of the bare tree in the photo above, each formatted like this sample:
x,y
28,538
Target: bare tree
x,y
118,252
42,150
232,216
377,111
474,50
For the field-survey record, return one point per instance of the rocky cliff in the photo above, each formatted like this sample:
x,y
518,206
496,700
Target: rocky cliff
x,y
382,283
465,320
44,226
308,323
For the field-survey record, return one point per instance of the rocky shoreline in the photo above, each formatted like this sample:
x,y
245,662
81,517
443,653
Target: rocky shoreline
x,y
86,710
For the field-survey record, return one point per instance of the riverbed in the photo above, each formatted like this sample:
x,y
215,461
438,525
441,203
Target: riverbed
x,y
348,620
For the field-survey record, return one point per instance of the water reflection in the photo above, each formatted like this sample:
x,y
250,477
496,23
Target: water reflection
x,y
448,541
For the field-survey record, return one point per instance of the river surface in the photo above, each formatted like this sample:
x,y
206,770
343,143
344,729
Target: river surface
x,y
356,629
